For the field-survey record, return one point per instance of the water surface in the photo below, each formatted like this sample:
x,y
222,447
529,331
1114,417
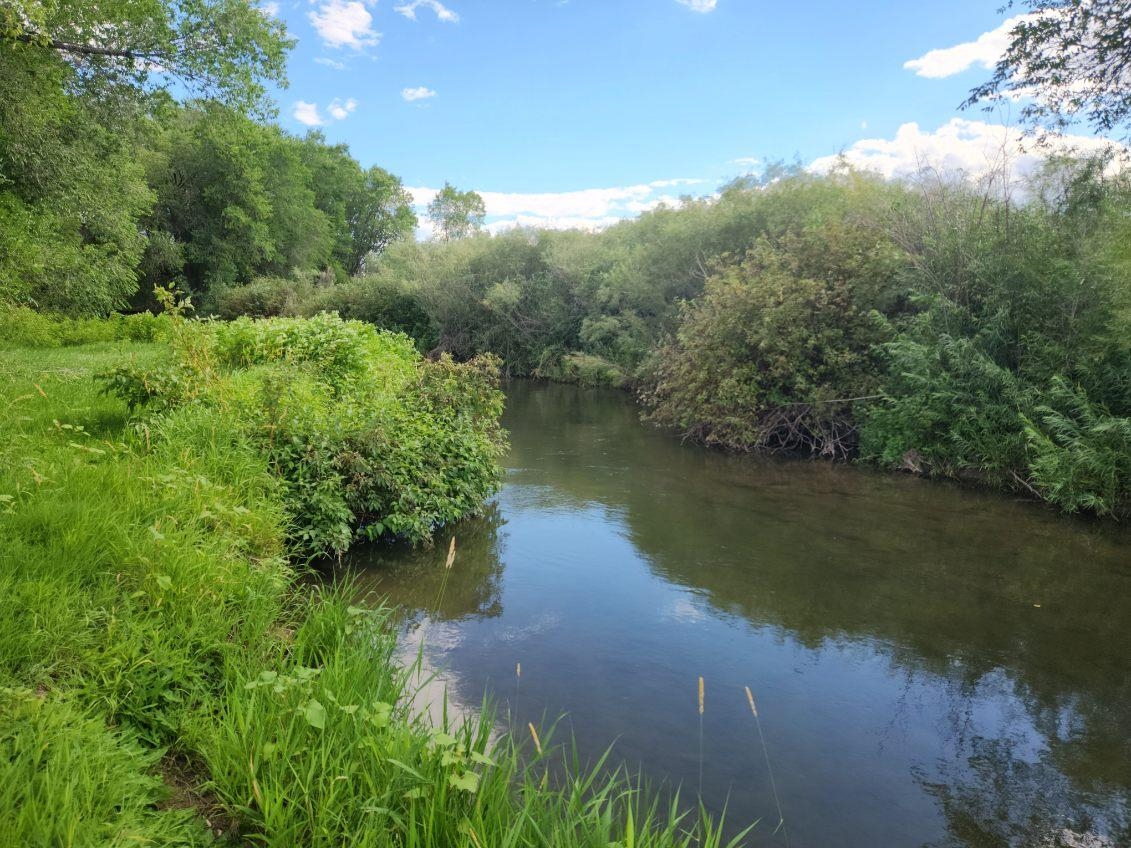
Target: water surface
x,y
933,666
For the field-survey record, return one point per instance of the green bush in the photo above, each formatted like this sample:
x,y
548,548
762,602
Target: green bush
x,y
948,409
1080,454
768,359
365,436
386,304
24,327
583,369
263,297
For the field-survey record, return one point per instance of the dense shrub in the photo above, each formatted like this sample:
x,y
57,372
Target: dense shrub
x,y
581,368
365,435
387,304
24,327
1079,453
263,297
768,358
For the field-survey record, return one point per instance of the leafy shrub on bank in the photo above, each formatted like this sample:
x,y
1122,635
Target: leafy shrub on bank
x,y
263,297
583,369
386,304
366,437
24,327
767,358
1079,453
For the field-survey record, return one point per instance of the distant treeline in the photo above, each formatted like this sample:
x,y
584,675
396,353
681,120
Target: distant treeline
x,y
931,325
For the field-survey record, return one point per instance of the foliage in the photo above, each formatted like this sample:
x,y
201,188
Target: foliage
x,y
368,209
378,300
456,214
263,297
767,358
582,368
70,194
24,327
364,435
222,49
1071,58
1080,454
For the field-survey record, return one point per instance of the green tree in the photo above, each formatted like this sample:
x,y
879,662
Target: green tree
x,y
367,209
237,197
1072,58
71,193
221,49
456,213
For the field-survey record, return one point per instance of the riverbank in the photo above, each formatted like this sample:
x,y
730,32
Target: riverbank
x,y
167,678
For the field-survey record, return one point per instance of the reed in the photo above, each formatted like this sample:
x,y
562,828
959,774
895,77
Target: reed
x,y
769,768
701,704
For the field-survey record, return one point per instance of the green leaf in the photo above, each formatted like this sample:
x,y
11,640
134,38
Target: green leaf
x,y
315,714
466,782
442,740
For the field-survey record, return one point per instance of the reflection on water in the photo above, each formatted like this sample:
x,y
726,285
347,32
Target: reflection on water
x,y
933,666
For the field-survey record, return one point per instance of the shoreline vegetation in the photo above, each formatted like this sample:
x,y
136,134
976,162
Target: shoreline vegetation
x,y
168,677
932,326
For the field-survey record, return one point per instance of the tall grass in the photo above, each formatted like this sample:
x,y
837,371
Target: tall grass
x,y
161,663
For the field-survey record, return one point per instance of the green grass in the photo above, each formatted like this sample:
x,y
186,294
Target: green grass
x,y
167,674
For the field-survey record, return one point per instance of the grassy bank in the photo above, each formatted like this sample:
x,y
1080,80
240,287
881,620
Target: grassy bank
x,y
165,676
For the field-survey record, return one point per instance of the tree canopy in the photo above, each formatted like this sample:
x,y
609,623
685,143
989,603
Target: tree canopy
x,y
222,49
456,213
1072,60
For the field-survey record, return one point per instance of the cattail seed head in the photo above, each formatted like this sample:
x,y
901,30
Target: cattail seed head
x,y
750,698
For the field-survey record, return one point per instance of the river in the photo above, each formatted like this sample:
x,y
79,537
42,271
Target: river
x,y
933,666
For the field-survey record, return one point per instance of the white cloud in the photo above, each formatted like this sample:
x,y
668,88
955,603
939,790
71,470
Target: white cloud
x,y
344,23
331,63
443,13
340,109
587,209
307,113
703,6
973,149
269,9
421,92
985,50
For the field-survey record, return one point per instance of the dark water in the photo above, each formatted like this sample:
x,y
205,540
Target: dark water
x,y
932,666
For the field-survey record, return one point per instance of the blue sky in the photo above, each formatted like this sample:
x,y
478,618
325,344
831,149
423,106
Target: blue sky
x,y
576,112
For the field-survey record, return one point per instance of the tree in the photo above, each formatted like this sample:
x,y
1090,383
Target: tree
x,y
378,214
368,209
218,49
456,213
1073,59
71,192
236,196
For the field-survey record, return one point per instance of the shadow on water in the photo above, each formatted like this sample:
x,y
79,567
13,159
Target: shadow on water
x,y
933,666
